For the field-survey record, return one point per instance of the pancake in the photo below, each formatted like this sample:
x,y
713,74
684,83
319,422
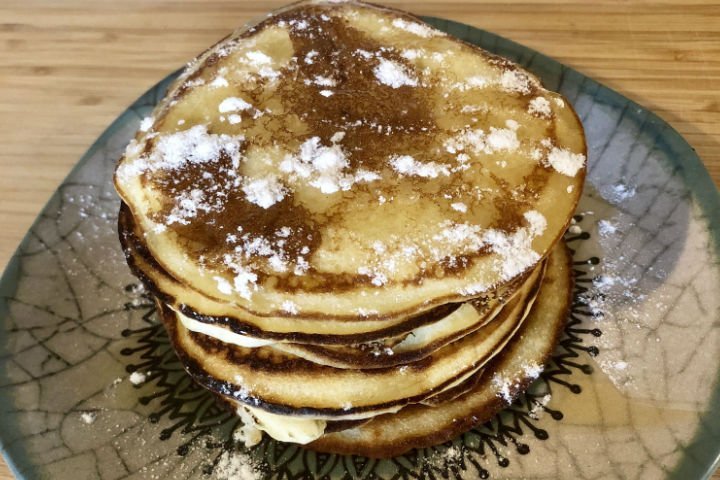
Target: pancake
x,y
346,161
281,383
351,224
246,329
417,344
442,416
507,376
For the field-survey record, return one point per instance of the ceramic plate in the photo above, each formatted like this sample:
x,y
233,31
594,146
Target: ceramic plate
x,y
632,390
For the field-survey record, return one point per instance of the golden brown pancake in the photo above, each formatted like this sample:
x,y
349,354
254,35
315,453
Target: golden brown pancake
x,y
283,383
272,329
352,222
343,160
506,377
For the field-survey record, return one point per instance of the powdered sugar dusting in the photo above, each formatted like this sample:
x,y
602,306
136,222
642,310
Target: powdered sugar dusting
x,y
470,83
459,206
88,418
532,370
324,166
233,104
516,250
540,106
618,192
223,285
290,307
478,141
261,64
565,161
515,81
245,281
407,165
506,388
187,206
394,74
606,228
264,192
146,124
416,28
539,406
194,146
234,465
137,378
219,82
501,139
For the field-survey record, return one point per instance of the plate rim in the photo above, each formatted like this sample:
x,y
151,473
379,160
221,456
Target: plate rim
x,y
702,452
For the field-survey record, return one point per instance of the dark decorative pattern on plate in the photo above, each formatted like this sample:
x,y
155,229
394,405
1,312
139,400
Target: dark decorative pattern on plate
x,y
193,411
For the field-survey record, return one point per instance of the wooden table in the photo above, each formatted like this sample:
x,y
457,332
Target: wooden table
x,y
69,68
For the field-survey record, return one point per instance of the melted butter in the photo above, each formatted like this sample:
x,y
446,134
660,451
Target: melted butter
x,y
220,333
286,428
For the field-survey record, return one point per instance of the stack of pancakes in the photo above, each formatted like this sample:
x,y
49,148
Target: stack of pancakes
x,y
352,226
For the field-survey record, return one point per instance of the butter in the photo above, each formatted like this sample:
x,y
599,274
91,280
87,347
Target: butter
x,y
285,428
222,334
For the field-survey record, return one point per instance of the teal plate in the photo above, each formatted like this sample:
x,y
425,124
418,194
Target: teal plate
x,y
631,392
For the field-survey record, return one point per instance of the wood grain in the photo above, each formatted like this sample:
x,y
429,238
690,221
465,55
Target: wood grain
x,y
69,68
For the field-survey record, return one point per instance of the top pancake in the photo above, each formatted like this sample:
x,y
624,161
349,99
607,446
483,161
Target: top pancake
x,y
347,160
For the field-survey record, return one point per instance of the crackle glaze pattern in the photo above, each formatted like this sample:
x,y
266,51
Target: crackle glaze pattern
x,y
630,392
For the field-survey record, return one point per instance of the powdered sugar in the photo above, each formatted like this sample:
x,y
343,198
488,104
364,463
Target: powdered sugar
x,y
378,278
245,281
223,285
501,139
565,161
538,406
219,82
606,228
394,74
477,141
310,57
416,28
88,418
260,63
532,370
324,166
412,53
540,106
137,378
174,151
233,104
515,250
515,82
618,193
186,207
459,206
146,124
407,165
264,192
506,388
324,81
235,465
290,307
470,83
